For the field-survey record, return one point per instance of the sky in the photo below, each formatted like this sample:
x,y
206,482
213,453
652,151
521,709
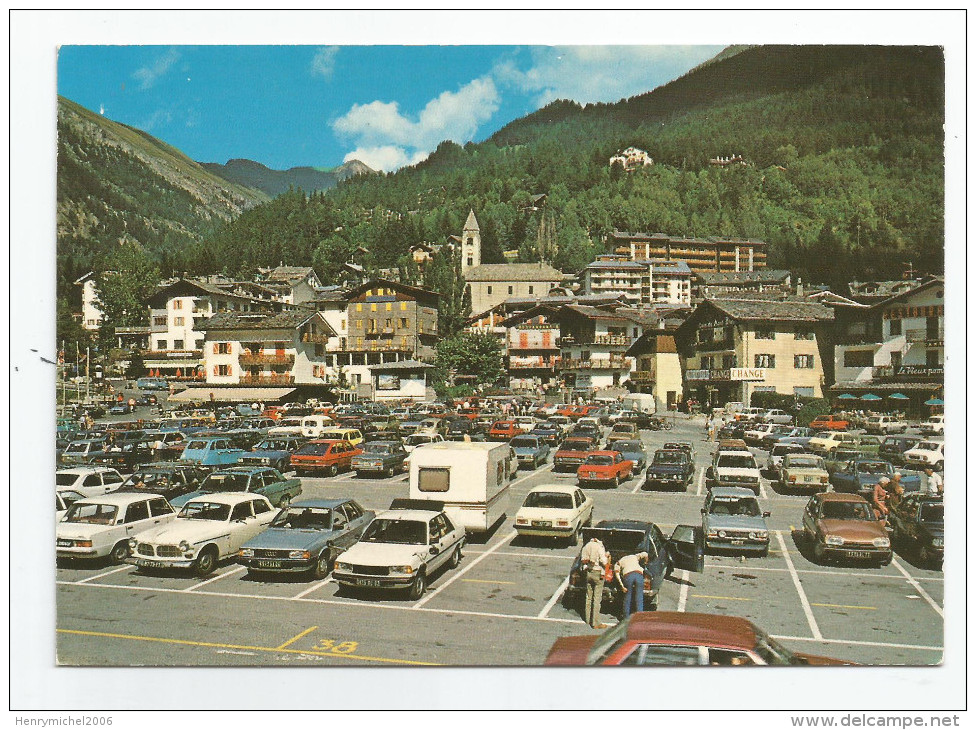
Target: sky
x,y
319,106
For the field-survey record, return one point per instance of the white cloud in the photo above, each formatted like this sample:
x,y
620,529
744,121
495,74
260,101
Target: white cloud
x,y
323,63
147,75
588,74
395,139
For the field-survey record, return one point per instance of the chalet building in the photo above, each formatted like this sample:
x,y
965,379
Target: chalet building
x,y
646,282
91,314
657,368
894,346
632,159
491,284
712,284
733,348
873,292
532,348
294,284
701,254
726,161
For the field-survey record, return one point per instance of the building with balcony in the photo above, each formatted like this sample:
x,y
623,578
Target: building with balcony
x,y
712,284
91,313
644,282
733,348
293,284
632,159
701,254
532,349
657,368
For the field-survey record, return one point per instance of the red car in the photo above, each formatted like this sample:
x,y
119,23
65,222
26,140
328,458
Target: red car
x,y
504,431
325,456
604,467
679,639
572,453
829,423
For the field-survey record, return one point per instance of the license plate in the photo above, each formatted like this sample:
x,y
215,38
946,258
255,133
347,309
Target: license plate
x,y
65,543
268,563
541,523
860,554
152,564
738,542
365,582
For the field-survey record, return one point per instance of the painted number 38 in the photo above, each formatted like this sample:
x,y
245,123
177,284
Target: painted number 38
x,y
345,647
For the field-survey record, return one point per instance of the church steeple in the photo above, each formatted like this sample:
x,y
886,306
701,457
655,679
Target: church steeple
x,y
470,243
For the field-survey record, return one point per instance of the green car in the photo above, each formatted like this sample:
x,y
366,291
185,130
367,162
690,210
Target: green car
x,y
254,480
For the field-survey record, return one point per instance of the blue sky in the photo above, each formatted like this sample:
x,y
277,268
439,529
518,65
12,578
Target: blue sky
x,y
388,106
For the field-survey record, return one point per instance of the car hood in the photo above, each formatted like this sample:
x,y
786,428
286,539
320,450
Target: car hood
x,y
665,468
735,522
570,651
192,531
856,530
567,452
730,472
291,539
264,455
382,554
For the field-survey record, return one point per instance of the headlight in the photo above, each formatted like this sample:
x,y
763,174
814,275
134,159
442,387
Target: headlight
x,y
246,553
881,542
792,478
562,523
759,535
834,540
132,543
345,567
83,543
938,542
184,545
721,533
300,555
401,569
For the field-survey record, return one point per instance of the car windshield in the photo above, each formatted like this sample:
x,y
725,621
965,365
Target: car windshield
x,y
69,498
304,518
847,511
205,511
401,532
629,446
783,449
524,443
571,445
924,446
774,653
669,457
544,426
145,479
313,450
805,462
736,461
417,439
624,428
844,455
599,460
931,513
80,448
745,507
65,479
376,448
224,483
873,467
93,514
336,435
549,500
607,641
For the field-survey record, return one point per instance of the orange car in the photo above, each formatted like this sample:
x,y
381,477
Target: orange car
x,y
605,467
504,431
327,456
572,453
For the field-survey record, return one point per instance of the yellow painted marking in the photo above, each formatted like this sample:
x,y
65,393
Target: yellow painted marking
x,y
293,639
244,646
721,598
835,605
472,580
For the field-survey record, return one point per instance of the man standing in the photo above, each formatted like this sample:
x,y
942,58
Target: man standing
x,y
879,497
594,561
630,575
932,484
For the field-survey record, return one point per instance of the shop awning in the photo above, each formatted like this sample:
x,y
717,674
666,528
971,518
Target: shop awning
x,y
231,395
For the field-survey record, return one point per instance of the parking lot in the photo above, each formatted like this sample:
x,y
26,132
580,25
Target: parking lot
x,y
502,605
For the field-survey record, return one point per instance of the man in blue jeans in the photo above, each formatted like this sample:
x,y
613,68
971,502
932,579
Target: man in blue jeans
x,y
630,574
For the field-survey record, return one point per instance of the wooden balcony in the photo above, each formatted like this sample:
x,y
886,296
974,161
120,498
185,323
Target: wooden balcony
x,y
613,363
248,358
267,379
535,364
643,376
316,339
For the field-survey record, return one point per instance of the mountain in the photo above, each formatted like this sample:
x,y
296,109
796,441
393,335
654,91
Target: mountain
x,y
117,183
274,182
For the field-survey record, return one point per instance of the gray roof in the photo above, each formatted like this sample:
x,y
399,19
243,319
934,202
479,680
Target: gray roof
x,y
471,224
258,320
402,365
288,274
513,272
785,309
744,277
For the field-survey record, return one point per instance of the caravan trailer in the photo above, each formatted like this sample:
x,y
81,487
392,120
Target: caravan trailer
x,y
471,478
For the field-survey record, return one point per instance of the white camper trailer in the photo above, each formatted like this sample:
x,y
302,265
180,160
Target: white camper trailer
x,y
641,402
471,478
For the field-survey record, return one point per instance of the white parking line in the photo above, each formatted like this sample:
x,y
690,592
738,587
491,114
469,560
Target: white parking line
x,y
555,597
683,595
640,483
544,556
314,587
422,601
236,570
799,588
530,474
917,587
701,481
836,574
762,489
101,575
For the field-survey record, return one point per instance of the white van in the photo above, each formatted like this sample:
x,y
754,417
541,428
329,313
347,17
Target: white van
x,y
315,426
641,402
471,478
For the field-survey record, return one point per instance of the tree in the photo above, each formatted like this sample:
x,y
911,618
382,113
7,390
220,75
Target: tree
x,y
469,353
442,274
123,287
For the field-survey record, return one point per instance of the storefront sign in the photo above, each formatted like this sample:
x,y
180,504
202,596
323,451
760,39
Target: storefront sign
x,y
697,375
752,374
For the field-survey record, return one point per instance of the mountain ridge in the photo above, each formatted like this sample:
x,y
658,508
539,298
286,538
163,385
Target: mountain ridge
x,y
310,179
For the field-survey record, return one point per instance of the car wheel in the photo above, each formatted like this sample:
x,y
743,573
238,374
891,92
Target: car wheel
x,y
285,501
206,562
574,539
418,587
120,552
323,565
616,481
388,472
455,558
764,552
819,550
332,470
884,561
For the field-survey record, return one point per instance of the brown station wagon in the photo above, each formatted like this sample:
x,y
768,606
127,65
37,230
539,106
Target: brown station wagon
x,y
844,526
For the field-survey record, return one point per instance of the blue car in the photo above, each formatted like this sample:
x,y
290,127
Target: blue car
x,y
551,433
531,451
212,451
631,449
306,537
274,451
733,521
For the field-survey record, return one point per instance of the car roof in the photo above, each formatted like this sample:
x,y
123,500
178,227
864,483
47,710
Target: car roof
x,y
841,497
624,525
603,453
119,499
320,503
698,628
562,488
79,470
241,469
408,514
732,492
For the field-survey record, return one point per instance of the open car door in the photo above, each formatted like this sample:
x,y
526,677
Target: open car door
x,y
687,548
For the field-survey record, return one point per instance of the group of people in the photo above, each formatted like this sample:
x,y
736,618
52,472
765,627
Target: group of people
x,y
888,493
599,568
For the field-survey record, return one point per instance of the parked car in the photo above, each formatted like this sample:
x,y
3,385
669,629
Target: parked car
x,y
893,448
530,451
632,449
753,436
90,481
804,471
288,426
503,431
732,521
324,456
776,415
799,435
98,527
170,480
63,499
623,431
679,639
933,426
525,423
917,523
606,468
263,480
554,510
402,548
306,537
734,469
206,530
420,438
830,423
670,469
549,432
352,435
862,473
380,457
82,452
884,425
926,453
211,451
776,456
844,526
684,550
572,452
274,451
823,443
778,432
839,458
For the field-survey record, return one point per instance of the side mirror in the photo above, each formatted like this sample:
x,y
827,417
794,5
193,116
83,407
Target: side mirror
x,y
703,510
434,550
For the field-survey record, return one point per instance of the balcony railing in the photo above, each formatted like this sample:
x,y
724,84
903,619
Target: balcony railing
x,y
317,339
644,376
538,364
375,346
930,337
267,379
612,363
611,340
247,358
518,345
171,354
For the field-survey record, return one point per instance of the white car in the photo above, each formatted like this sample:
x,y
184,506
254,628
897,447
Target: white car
x,y
421,439
734,469
934,426
775,415
102,526
927,453
402,548
90,481
290,426
555,510
525,423
778,452
754,435
207,529
884,425
64,498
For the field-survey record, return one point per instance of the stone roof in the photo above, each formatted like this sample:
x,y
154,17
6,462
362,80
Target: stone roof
x,y
401,365
258,320
287,274
513,272
714,278
471,224
783,309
